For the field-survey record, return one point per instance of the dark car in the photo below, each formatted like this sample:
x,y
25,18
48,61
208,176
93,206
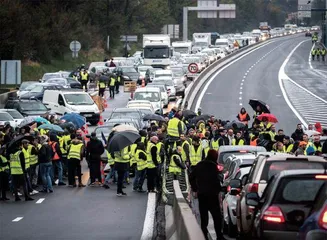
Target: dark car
x,y
285,203
27,107
315,226
136,114
308,34
38,90
74,83
149,74
128,73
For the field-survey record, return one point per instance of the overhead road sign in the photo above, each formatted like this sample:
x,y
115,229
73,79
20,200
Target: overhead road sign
x,y
128,38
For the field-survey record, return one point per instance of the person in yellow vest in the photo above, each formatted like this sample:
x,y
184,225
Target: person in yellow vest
x,y
152,163
56,160
288,145
243,116
238,140
317,145
112,84
34,169
197,153
102,88
280,148
18,170
176,164
74,158
141,166
313,54
4,175
84,79
323,54
122,160
175,127
27,156
112,171
117,83
318,53
185,149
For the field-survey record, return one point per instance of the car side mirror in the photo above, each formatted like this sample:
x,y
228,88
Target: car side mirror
x,y
235,191
252,199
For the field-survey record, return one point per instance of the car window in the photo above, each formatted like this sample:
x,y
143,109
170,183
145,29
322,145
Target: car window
x,y
150,96
321,198
15,114
37,89
15,105
290,190
231,168
78,99
32,106
129,70
272,168
5,117
125,115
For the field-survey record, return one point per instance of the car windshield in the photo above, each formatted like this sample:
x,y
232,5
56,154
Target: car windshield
x,y
5,117
290,190
15,114
131,114
150,96
156,52
224,155
25,85
129,70
143,69
189,60
78,99
37,89
61,82
201,44
181,49
145,111
30,87
167,82
161,87
51,75
272,168
32,106
159,75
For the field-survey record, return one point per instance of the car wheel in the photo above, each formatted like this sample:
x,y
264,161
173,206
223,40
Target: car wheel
x,y
231,231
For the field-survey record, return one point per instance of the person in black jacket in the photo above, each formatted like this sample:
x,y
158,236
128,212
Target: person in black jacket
x,y
206,185
94,150
45,160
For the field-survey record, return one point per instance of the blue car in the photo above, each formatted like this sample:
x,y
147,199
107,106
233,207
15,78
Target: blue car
x,y
315,226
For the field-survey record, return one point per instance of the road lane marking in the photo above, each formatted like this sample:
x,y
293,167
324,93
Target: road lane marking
x,y
40,200
148,225
241,93
242,83
198,103
17,219
241,104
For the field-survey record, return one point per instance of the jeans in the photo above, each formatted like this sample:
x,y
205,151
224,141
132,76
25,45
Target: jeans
x,y
57,164
46,170
34,174
110,174
139,179
121,174
112,91
28,179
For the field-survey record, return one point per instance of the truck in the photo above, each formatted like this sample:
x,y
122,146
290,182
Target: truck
x,y
201,41
156,50
264,26
182,47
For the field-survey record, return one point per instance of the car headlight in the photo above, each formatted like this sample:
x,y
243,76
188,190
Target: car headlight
x,y
126,77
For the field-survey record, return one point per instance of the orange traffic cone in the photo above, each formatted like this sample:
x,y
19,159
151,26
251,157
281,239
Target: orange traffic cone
x,y
105,103
143,83
101,122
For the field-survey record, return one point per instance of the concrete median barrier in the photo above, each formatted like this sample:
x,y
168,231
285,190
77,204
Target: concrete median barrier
x,y
5,96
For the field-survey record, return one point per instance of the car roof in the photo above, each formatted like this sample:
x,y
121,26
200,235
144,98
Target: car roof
x,y
125,110
163,71
297,172
285,157
120,120
8,110
139,102
230,148
147,89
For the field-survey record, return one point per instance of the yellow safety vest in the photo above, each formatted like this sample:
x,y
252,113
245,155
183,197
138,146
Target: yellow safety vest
x,y
112,82
84,76
215,144
240,142
4,160
319,149
313,52
62,146
15,166
123,156
27,158
111,161
43,132
184,157
133,148
118,79
195,156
289,148
102,85
323,52
172,129
159,146
173,168
149,156
75,151
140,163
33,158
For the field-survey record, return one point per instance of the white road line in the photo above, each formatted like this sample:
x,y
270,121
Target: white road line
x,y
241,93
17,219
148,225
240,98
40,200
242,83
241,87
241,104
313,45
198,103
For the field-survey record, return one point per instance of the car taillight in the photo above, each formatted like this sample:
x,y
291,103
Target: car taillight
x,y
274,214
253,188
323,218
228,189
321,177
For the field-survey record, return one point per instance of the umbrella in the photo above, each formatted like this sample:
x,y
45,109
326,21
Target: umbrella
x,y
67,125
254,103
14,144
155,117
121,140
187,114
41,120
238,125
124,127
311,133
28,121
271,117
199,118
75,118
51,127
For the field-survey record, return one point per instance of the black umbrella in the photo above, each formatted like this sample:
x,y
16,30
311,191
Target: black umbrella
x,y
155,117
187,114
201,117
103,78
67,125
121,140
233,124
254,103
14,144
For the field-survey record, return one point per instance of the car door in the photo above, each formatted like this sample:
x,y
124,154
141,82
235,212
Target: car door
x,y
60,105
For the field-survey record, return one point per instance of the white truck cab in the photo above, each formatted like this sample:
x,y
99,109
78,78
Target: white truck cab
x,y
68,101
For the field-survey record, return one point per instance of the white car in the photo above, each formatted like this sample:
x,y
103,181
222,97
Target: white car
x,y
14,114
6,117
211,53
164,92
144,106
168,81
163,73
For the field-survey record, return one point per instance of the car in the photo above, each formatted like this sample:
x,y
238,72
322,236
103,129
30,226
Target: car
x,y
152,94
59,81
316,223
284,205
128,73
229,204
164,92
264,167
149,74
27,88
47,76
308,34
163,74
111,123
7,118
168,81
27,107
74,83
37,91
211,53
14,114
24,85
123,113
142,69
143,105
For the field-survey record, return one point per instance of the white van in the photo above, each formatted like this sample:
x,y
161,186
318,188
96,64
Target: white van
x,y
150,94
224,43
67,101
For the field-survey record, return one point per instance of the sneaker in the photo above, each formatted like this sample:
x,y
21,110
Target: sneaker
x,y
123,194
50,191
119,194
105,186
34,192
140,190
61,184
81,185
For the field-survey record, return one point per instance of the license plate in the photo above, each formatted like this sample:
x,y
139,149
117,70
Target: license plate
x,y
88,115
